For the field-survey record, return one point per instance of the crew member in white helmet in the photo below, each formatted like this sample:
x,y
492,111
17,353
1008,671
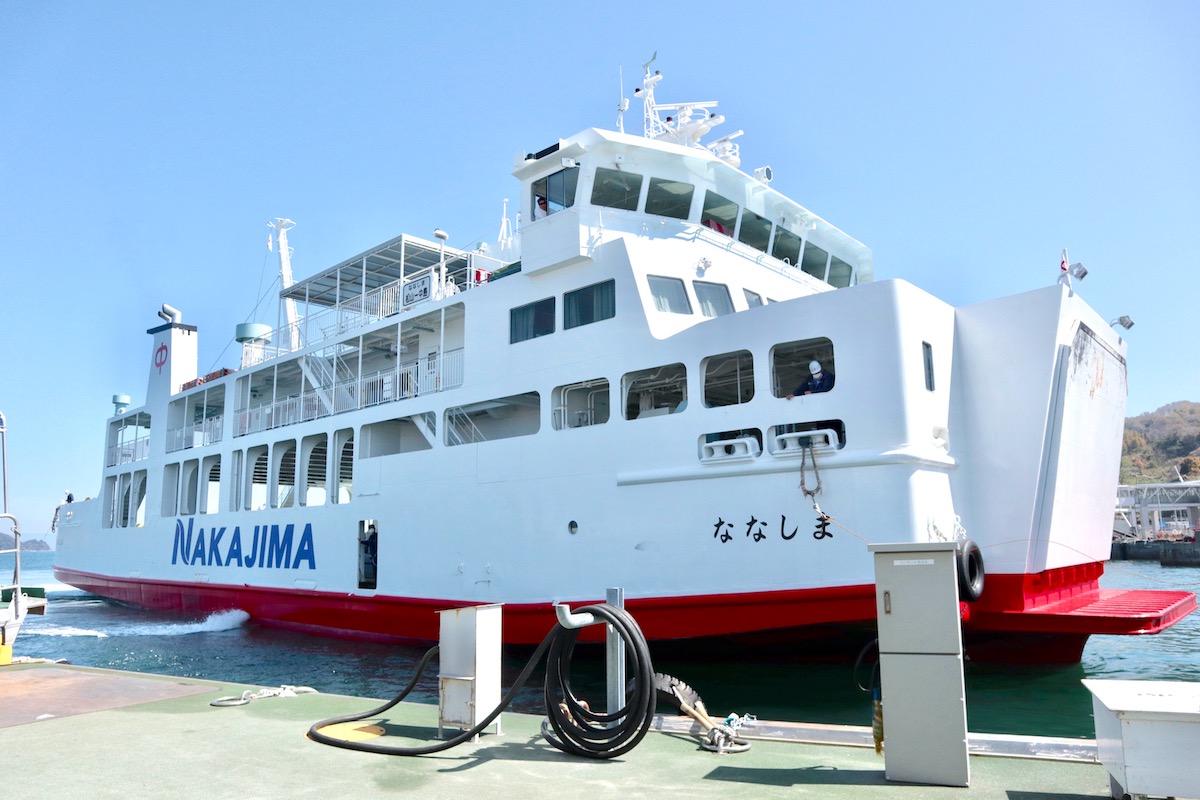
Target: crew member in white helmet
x,y
819,380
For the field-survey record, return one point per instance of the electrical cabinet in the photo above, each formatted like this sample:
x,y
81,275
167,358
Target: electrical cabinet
x,y
920,663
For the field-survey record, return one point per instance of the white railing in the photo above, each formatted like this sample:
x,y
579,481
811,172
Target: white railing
x,y
197,434
424,376
126,452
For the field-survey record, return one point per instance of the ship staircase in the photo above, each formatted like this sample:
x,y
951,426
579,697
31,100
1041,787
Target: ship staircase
x,y
1154,511
332,381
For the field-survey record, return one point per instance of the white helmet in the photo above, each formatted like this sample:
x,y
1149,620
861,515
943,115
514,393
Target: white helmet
x,y
814,367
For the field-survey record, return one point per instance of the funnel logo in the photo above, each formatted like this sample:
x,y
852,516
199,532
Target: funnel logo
x,y
160,357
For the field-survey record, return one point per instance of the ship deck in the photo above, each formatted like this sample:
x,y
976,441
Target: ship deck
x,y
69,731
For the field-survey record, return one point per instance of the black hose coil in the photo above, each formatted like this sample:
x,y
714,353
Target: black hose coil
x,y
577,730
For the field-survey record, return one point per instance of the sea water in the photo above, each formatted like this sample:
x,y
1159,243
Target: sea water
x,y
1048,701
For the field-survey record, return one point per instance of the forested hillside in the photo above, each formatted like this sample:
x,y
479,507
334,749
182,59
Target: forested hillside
x,y
1160,442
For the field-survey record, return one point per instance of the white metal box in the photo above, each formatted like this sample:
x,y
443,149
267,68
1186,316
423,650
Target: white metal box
x,y
469,677
1148,735
920,663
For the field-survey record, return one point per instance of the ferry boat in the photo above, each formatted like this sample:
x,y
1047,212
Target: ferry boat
x,y
666,377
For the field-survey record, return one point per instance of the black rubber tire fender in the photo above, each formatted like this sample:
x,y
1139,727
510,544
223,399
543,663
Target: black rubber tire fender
x,y
970,571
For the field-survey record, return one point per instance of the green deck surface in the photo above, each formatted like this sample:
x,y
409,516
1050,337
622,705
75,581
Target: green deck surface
x,y
75,732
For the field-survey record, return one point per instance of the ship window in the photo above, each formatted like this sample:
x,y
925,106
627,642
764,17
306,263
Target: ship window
x,y
394,436
714,299
256,478
589,304
502,418
580,404
531,321
655,392
285,471
786,246
927,351
669,198
719,213
344,453
558,189
814,261
316,453
729,379
753,299
210,500
615,189
841,274
191,486
790,363
755,230
669,294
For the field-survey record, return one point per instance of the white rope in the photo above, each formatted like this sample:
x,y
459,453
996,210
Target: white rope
x,y
247,696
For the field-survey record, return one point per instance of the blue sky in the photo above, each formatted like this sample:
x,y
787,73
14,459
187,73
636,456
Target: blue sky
x,y
144,146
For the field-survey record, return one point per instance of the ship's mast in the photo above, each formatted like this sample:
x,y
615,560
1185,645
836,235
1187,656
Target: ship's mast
x,y
282,226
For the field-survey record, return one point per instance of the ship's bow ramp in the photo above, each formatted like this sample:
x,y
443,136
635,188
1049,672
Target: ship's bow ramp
x,y
1037,412
1037,417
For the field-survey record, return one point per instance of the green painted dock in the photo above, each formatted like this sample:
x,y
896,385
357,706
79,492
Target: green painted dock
x,y
77,732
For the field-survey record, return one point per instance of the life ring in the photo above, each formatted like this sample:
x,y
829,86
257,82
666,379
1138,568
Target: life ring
x,y
970,571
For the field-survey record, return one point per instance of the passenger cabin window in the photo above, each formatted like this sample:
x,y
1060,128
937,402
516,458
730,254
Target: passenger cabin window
x,y
786,246
755,230
558,190
719,213
589,304
753,299
791,365
713,298
927,353
531,321
616,189
655,392
669,294
669,198
729,379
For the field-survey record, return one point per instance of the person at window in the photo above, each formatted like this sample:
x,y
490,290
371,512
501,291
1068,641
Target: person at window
x,y
371,546
542,208
819,380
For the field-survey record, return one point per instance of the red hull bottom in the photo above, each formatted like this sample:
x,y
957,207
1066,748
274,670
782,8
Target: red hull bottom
x,y
1028,619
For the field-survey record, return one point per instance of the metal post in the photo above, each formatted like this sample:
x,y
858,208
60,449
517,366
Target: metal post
x,y
615,655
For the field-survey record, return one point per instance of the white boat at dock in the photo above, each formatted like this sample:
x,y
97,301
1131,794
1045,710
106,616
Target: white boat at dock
x,y
604,398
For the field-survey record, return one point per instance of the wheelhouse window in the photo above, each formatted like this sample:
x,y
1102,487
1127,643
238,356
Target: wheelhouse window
x,y
557,189
786,246
669,198
655,392
841,274
753,299
713,298
669,294
755,230
791,363
616,189
531,321
589,304
720,213
729,379
814,261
